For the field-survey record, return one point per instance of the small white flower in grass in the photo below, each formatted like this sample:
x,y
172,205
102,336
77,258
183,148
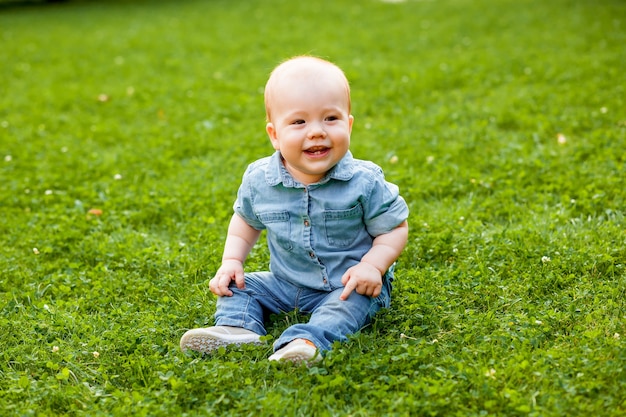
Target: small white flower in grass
x,y
561,139
616,336
603,110
55,349
48,192
393,159
117,177
430,159
491,373
36,251
96,354
538,322
545,259
8,158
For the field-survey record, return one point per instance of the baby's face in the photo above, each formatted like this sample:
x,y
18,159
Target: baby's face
x,y
310,123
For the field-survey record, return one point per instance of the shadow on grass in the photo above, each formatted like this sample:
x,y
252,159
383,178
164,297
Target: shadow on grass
x,y
14,5
17,4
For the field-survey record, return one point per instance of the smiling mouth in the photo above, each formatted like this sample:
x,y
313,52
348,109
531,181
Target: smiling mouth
x,y
317,150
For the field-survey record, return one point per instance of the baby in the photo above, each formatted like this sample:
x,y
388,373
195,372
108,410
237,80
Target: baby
x,y
334,226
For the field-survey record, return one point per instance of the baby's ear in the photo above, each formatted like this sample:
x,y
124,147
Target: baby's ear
x,y
271,133
350,122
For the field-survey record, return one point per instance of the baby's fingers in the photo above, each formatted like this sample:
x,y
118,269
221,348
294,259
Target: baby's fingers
x,y
225,281
347,290
371,290
240,280
219,285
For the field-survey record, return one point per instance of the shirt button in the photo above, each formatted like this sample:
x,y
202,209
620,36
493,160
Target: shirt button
x,y
311,254
306,223
325,281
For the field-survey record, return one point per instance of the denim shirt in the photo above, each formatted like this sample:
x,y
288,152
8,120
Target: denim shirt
x,y
316,232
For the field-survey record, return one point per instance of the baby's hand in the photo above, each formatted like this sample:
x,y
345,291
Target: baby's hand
x,y
364,278
231,270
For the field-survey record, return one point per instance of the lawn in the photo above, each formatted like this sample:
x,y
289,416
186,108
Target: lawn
x,y
125,127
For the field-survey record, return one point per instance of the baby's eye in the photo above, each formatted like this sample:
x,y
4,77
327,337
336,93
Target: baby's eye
x,y
297,122
331,118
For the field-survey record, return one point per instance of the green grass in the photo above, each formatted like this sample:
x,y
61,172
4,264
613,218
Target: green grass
x,y
510,296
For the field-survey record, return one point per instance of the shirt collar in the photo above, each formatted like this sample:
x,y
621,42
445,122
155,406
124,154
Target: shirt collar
x,y
277,173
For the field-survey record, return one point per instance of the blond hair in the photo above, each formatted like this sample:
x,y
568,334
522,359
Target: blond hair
x,y
309,65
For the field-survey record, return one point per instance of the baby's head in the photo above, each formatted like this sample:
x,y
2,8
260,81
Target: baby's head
x,y
307,101
306,69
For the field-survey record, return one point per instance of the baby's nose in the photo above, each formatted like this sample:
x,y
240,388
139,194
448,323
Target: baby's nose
x,y
316,130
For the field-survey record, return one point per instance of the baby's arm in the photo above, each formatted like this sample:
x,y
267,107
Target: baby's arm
x,y
366,276
239,241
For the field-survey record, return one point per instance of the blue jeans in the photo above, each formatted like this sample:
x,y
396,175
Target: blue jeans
x,y
331,319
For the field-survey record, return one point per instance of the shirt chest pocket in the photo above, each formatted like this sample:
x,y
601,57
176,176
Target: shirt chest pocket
x,y
278,227
343,226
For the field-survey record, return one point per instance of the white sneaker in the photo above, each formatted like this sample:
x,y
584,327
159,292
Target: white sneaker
x,y
299,350
210,338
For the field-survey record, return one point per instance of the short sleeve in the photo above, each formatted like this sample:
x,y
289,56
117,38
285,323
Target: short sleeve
x,y
244,204
385,208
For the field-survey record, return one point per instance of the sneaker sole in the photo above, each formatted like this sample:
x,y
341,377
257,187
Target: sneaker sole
x,y
207,342
297,355
294,357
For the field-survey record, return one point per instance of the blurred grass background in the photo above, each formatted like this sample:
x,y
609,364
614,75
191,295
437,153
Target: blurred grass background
x,y
503,122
